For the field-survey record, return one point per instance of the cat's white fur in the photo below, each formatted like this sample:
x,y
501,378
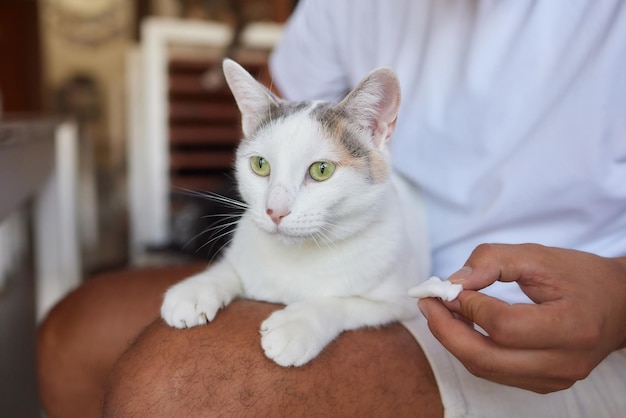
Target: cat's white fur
x,y
340,253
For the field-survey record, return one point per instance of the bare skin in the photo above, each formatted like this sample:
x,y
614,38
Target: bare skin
x,y
220,370
217,369
578,319
84,335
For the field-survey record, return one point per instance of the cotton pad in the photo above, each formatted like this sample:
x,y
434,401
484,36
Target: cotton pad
x,y
435,287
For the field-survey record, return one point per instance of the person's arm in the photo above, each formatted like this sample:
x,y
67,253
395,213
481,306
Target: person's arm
x,y
579,317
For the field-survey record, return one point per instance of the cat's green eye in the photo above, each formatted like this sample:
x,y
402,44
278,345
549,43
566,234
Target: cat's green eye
x,y
260,166
321,170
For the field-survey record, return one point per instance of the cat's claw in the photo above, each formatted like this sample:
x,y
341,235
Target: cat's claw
x,y
289,340
187,305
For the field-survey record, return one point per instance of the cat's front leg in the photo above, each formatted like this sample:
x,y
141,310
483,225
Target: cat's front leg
x,y
196,300
295,335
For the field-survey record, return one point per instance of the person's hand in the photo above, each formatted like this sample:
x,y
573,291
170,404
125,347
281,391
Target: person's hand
x,y
579,317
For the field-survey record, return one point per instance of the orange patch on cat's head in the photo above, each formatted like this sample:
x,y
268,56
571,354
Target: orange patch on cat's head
x,y
352,143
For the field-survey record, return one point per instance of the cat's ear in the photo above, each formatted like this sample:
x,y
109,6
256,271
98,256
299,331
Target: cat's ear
x,y
254,100
374,104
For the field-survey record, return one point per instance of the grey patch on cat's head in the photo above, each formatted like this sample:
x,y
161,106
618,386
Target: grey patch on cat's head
x,y
337,124
339,127
280,110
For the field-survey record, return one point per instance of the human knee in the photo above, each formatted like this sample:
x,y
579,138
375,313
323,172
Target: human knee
x,y
166,373
49,351
220,369
57,333
58,356
214,369
133,387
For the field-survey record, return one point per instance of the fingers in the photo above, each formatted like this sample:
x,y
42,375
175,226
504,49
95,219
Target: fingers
x,y
525,264
576,321
537,370
518,326
487,264
547,276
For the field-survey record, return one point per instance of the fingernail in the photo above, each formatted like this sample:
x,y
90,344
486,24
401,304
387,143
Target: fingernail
x,y
423,308
461,275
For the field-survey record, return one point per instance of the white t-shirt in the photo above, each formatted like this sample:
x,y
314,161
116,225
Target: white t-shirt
x,y
513,115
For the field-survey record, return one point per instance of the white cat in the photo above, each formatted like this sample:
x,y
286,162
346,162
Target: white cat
x,y
328,230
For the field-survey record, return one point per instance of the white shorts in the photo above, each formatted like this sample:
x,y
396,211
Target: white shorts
x,y
601,394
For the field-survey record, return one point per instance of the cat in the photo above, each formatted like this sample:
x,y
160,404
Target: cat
x,y
328,230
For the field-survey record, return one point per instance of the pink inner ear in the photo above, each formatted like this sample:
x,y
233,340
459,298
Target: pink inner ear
x,y
252,98
384,131
386,113
374,104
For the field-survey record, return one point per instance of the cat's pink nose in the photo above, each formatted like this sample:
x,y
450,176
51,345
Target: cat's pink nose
x,y
277,215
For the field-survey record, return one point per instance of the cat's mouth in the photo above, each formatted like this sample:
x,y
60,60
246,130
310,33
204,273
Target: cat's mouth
x,y
288,234
287,237
298,228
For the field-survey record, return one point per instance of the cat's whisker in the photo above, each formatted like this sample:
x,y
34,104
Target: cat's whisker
x,y
219,250
224,215
224,223
217,225
215,197
313,237
211,241
321,242
327,230
326,240
217,237
271,83
269,106
227,202
337,227
220,226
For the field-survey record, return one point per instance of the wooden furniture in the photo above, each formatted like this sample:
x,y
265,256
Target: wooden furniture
x,y
38,164
37,178
203,127
182,135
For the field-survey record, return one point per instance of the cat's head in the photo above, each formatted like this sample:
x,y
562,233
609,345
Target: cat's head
x,y
314,170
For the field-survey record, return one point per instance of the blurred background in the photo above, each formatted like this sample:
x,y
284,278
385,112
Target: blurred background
x,y
114,120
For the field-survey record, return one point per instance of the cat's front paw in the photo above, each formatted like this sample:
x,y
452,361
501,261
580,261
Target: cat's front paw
x,y
291,339
189,303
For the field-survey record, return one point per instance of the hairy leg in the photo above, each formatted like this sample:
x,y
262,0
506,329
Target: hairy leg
x,y
219,369
83,336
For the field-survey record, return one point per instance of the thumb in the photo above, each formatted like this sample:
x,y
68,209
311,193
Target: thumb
x,y
489,263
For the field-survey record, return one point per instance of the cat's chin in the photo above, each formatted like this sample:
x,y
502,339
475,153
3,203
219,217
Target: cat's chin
x,y
291,241
285,236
